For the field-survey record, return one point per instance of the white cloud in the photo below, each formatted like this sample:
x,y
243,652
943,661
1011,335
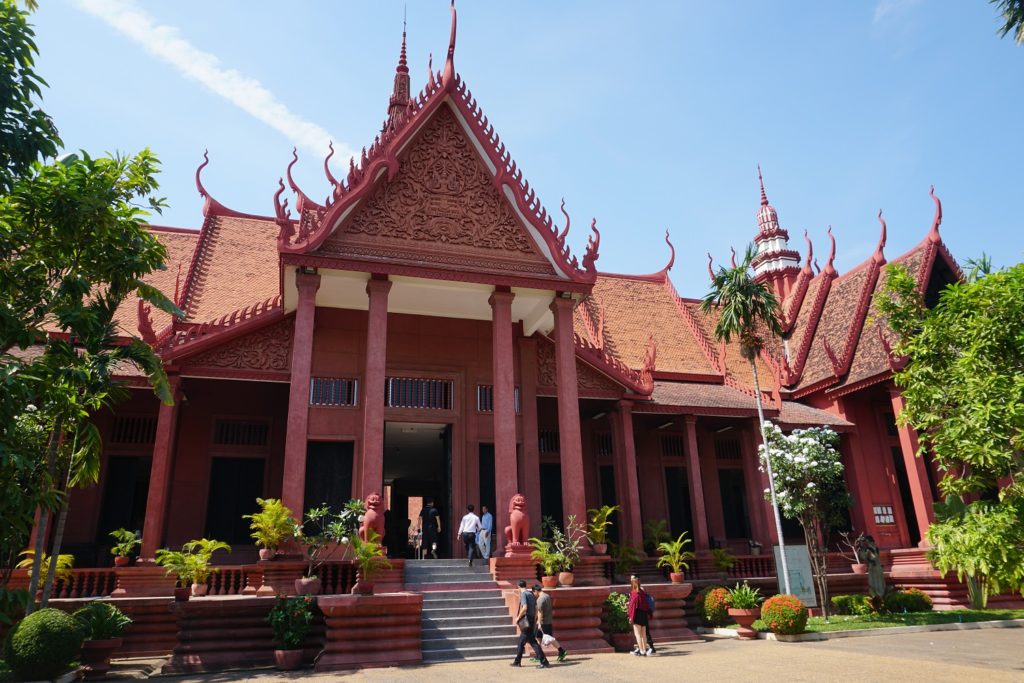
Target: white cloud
x,y
248,94
887,9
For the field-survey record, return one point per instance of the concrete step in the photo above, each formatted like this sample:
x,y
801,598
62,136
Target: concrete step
x,y
462,599
454,562
443,620
497,611
454,575
469,642
474,653
448,632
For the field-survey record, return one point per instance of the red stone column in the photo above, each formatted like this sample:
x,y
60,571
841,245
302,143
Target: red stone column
x,y
570,445
757,506
504,409
624,462
701,541
293,488
160,474
773,533
917,471
372,478
529,470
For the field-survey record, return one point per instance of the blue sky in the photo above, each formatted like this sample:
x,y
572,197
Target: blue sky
x,y
646,115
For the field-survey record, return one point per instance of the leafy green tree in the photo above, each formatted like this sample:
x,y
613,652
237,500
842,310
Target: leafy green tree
x,y
1012,12
749,311
964,390
810,488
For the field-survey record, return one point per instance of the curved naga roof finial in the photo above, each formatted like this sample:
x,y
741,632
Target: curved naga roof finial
x,y
283,214
327,161
816,266
810,253
199,172
672,258
593,243
733,260
879,256
711,272
933,234
449,63
829,268
288,171
565,233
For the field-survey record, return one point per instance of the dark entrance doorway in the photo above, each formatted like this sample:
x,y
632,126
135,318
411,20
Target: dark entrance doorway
x,y
417,467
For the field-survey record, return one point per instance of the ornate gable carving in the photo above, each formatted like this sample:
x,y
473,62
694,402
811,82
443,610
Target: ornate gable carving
x,y
588,379
265,350
441,208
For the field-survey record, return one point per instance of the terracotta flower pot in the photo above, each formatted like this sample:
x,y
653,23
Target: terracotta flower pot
x,y
623,642
199,590
745,617
181,593
859,568
362,588
600,548
96,657
549,581
677,577
308,585
121,561
265,555
566,578
288,660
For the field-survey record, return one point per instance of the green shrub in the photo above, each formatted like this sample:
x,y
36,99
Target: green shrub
x,y
43,644
859,605
101,621
784,615
909,600
712,605
292,620
616,607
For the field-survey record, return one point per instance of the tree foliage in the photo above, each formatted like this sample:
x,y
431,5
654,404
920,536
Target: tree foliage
x,y
810,488
1012,12
747,309
964,390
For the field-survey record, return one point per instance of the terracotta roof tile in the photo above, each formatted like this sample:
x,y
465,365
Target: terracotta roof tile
x,y
735,364
637,308
803,319
237,267
795,414
694,395
179,244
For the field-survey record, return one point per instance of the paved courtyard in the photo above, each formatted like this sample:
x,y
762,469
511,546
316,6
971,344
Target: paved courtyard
x,y
991,656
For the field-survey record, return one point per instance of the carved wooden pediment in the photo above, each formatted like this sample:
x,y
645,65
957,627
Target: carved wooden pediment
x,y
441,209
588,379
265,350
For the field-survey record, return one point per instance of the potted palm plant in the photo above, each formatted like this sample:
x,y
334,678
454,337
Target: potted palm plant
x,y
600,522
63,571
200,551
744,608
550,560
624,558
369,557
291,620
271,526
177,563
675,556
655,533
723,561
124,548
102,625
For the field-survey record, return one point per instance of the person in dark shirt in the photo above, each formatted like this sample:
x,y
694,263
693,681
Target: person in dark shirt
x,y
430,527
526,620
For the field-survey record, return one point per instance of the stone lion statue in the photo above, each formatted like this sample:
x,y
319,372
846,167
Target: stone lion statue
x,y
373,518
518,529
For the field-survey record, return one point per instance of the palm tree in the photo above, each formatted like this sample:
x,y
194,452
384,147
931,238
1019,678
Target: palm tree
x,y
748,310
1013,16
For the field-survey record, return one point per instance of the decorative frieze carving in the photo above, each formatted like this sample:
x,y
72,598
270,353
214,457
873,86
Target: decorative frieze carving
x,y
266,349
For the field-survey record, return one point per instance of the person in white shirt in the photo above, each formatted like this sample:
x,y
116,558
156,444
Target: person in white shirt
x,y
468,529
483,539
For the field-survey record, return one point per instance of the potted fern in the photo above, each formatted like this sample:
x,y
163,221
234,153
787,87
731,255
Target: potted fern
x,y
369,557
744,607
200,552
600,522
177,563
550,560
291,620
102,625
271,526
675,556
126,543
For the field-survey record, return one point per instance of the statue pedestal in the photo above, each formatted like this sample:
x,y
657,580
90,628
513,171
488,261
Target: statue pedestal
x,y
518,550
509,570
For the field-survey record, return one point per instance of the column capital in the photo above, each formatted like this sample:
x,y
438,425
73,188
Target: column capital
x,y
561,303
895,393
689,420
500,297
624,405
307,281
377,286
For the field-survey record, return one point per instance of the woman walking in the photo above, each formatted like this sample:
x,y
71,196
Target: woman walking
x,y
639,615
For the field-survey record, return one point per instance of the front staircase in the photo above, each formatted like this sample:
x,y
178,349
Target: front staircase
x,y
464,613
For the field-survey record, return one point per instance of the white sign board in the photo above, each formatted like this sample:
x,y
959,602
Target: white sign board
x,y
801,578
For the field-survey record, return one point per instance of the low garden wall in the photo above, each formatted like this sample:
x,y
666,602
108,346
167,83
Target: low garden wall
x,y
371,630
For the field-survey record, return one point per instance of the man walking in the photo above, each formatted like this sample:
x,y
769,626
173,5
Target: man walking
x,y
468,529
430,527
545,621
483,538
526,620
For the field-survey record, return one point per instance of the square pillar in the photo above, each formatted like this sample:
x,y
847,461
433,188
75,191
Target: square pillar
x,y
570,446
529,470
159,496
759,508
372,461
293,488
698,510
624,462
773,532
504,409
917,473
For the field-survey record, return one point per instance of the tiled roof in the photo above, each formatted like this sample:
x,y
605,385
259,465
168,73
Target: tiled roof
x,y
795,414
237,266
179,244
736,365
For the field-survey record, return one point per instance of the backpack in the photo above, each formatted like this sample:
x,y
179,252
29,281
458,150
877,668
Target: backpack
x,y
650,602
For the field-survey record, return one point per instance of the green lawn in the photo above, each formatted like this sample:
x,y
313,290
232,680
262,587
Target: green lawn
x,y
850,623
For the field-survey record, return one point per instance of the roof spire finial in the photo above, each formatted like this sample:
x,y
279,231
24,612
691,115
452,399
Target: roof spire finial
x,y
449,64
764,197
399,99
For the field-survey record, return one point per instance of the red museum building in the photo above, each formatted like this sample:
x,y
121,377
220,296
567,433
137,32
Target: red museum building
x,y
426,332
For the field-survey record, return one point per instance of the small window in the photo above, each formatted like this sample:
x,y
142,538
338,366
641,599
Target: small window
x,y
419,392
603,442
241,432
548,441
883,514
485,398
333,391
133,430
672,446
728,449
